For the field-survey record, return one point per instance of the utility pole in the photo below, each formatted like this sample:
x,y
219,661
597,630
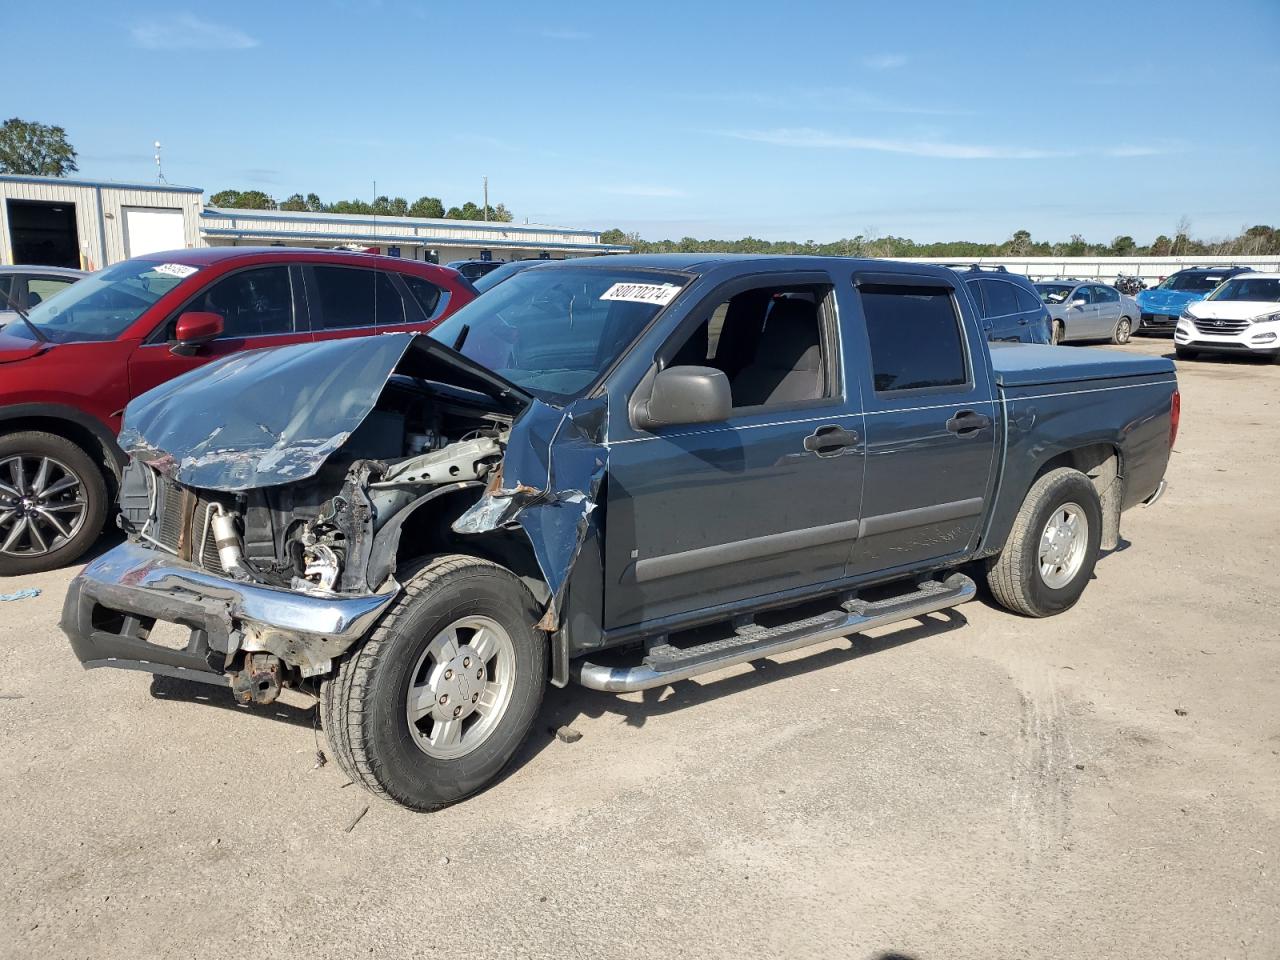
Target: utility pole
x,y
159,169
486,199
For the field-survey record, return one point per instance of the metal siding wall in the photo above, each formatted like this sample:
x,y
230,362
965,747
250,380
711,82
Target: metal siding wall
x,y
114,200
86,214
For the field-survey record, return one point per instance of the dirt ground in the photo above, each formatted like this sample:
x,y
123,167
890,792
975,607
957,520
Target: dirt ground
x,y
1101,784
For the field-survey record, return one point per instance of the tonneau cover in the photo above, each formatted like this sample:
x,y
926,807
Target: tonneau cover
x,y
1030,364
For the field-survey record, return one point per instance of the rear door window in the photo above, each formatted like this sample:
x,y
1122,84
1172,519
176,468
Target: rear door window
x,y
356,297
1105,295
424,291
1028,302
1000,297
975,291
915,337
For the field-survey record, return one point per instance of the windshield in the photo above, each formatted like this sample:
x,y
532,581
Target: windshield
x,y
1257,289
554,331
504,272
1192,282
102,305
1054,292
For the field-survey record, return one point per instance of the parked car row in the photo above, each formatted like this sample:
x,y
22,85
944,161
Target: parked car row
x,y
1088,310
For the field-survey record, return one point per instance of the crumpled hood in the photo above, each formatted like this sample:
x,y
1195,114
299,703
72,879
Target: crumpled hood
x,y
16,348
268,417
1167,301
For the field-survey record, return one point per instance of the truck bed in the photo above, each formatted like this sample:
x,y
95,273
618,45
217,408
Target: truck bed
x,y
1033,364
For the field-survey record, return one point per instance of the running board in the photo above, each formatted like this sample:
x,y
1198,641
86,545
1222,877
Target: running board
x,y
667,664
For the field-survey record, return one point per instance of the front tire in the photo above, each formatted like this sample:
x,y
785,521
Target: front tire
x,y
1053,546
438,700
53,502
1123,330
1056,332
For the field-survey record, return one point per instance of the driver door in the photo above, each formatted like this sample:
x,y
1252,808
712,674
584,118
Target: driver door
x,y
260,306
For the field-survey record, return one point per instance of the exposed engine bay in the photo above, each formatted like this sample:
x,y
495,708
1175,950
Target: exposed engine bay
x,y
317,534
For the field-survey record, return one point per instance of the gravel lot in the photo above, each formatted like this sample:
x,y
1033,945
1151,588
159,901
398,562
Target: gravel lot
x,y
1104,783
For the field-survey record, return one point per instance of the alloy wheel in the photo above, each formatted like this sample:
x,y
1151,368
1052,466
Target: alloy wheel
x,y
1063,545
42,505
460,687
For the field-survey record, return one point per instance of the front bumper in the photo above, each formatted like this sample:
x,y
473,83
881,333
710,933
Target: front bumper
x,y
1252,341
116,601
1157,321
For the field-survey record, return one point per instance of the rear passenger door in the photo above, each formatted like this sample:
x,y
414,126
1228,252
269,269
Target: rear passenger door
x,y
357,301
1001,298
931,424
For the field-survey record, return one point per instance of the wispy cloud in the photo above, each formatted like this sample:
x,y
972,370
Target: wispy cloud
x,y
808,138
641,190
563,33
186,31
829,98
824,140
884,61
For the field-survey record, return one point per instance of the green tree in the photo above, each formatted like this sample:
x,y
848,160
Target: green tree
x,y
242,200
430,207
1020,243
399,207
35,149
1161,246
296,202
1123,246
500,214
313,203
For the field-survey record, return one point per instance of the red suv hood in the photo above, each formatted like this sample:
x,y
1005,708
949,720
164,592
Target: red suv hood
x,y
17,348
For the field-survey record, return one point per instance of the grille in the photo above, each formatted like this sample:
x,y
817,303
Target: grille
x,y
1221,326
182,519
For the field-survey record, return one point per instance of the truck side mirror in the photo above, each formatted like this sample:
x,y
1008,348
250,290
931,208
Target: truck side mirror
x,y
193,330
685,394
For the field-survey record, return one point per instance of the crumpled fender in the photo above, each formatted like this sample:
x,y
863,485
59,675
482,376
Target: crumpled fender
x,y
548,484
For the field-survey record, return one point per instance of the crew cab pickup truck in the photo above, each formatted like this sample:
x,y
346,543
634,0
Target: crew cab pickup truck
x,y
623,472
70,364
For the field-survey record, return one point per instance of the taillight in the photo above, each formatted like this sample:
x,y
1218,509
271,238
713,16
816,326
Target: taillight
x,y
1175,414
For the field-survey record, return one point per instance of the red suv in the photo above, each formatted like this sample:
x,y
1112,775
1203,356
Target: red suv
x,y
69,369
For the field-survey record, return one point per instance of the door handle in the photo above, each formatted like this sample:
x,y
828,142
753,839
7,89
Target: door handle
x,y
967,423
830,440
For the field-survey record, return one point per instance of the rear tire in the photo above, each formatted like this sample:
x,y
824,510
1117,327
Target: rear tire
x,y
1123,330
61,509
1039,574
398,712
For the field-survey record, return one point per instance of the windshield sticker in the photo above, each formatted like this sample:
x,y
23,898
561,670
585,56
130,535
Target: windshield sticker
x,y
180,270
659,294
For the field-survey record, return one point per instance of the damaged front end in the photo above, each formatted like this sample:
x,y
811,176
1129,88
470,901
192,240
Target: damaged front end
x,y
270,493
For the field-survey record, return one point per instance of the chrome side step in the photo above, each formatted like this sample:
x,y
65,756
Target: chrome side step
x,y
667,664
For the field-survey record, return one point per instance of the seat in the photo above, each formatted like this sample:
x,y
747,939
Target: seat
x,y
788,361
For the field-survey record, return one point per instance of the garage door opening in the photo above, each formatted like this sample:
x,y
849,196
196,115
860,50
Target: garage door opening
x,y
43,233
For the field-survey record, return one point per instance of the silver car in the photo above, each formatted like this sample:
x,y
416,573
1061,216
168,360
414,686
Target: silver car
x,y
27,286
1087,310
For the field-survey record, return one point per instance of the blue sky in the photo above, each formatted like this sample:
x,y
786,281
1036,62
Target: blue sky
x,y
784,120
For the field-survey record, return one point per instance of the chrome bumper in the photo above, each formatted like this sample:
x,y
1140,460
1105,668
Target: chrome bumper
x,y
112,606
1164,485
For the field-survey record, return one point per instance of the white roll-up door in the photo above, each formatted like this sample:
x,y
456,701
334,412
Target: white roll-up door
x,y
148,229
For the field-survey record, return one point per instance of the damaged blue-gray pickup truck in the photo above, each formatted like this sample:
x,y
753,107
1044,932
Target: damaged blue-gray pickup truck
x,y
624,472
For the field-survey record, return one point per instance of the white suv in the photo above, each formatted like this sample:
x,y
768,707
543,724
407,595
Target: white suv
x,y
1241,316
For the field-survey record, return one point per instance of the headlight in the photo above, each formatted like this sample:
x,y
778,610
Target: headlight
x,y
1269,318
1186,314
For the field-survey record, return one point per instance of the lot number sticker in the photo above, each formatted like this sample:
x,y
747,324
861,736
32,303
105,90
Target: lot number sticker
x,y
656,293
180,270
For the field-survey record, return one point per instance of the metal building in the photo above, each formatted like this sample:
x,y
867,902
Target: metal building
x,y
91,224
411,237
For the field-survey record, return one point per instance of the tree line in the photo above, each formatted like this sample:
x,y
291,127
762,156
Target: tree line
x,y
1253,241
380,206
